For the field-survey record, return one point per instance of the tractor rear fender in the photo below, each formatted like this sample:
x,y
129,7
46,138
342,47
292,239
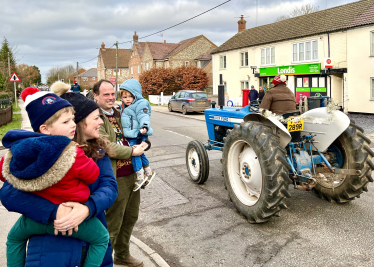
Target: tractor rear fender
x,y
326,133
279,128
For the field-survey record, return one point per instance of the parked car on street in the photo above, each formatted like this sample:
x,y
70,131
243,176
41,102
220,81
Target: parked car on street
x,y
189,101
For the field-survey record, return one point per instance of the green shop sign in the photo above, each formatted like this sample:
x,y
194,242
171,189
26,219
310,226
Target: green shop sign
x,y
314,68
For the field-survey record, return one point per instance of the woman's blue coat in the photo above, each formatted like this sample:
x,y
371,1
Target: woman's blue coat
x,y
138,114
58,251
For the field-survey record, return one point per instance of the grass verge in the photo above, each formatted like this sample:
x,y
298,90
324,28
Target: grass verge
x,y
16,108
14,124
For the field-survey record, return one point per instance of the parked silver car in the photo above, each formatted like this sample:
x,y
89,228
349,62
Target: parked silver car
x,y
189,101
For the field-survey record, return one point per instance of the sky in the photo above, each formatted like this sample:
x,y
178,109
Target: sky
x,y
49,33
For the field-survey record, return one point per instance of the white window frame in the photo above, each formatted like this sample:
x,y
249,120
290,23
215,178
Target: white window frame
x,y
114,71
186,63
93,78
372,43
85,79
300,55
244,59
267,57
132,70
222,62
243,83
138,68
371,88
147,66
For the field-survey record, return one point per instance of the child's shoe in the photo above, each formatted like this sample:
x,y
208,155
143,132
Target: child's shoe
x,y
140,180
150,176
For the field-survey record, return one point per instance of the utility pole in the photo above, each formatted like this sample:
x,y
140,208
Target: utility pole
x,y
9,64
58,76
77,72
117,68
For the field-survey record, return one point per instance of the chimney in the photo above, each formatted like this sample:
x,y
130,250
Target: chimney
x,y
164,41
102,45
135,38
241,24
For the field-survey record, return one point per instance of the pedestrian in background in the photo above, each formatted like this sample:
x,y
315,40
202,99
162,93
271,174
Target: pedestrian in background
x,y
123,214
253,94
261,94
75,88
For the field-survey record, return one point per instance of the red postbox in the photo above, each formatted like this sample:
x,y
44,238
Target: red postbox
x,y
245,97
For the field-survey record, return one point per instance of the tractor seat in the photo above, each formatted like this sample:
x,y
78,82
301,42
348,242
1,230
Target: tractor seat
x,y
295,136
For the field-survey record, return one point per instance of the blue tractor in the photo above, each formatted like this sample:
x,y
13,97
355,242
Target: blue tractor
x,y
320,150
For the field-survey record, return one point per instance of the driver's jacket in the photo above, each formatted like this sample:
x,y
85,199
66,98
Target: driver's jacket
x,y
279,100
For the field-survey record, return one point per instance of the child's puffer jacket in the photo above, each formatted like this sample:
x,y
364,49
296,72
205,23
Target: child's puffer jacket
x,y
138,114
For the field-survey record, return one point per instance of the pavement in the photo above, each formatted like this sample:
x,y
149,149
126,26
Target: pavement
x,y
138,248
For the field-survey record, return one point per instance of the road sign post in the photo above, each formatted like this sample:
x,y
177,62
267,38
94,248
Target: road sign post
x,y
14,78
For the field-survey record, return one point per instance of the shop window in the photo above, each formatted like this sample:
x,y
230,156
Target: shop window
x,y
372,88
244,85
305,51
244,59
268,56
222,62
372,43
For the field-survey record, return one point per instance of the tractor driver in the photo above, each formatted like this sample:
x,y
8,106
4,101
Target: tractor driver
x,y
279,99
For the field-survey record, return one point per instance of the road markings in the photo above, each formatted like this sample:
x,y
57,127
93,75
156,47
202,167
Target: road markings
x,y
179,134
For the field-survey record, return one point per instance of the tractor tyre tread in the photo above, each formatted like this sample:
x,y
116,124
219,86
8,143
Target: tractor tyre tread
x,y
274,171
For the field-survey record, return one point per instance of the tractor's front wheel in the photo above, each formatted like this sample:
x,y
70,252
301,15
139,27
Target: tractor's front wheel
x,y
255,171
350,151
197,162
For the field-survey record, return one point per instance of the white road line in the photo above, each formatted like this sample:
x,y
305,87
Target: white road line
x,y
179,134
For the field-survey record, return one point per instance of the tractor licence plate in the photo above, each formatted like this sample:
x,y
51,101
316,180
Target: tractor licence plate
x,y
295,126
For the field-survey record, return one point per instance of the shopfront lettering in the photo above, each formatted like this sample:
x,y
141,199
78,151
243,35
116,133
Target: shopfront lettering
x,y
289,70
301,69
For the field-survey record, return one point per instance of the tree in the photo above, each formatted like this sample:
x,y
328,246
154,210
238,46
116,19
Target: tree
x,y
157,80
5,85
28,74
299,11
56,73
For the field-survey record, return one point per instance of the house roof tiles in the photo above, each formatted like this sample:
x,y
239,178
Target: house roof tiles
x,y
109,57
90,73
342,17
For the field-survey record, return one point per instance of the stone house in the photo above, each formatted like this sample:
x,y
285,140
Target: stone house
x,y
88,79
328,52
106,64
190,52
73,77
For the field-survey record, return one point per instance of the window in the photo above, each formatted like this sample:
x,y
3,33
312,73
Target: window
x,y
305,51
268,56
244,59
132,70
85,79
244,85
186,63
372,88
372,43
114,72
147,66
93,78
222,62
138,69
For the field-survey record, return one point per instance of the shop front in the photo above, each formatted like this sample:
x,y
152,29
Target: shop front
x,y
303,79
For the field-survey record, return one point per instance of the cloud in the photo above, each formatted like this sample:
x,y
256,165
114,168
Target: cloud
x,y
56,33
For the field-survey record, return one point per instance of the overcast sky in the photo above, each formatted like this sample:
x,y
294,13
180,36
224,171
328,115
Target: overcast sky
x,y
51,33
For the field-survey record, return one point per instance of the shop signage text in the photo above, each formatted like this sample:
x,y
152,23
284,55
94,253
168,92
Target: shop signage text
x,y
303,69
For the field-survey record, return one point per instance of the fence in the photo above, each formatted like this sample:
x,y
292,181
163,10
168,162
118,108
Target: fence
x,y
6,111
159,99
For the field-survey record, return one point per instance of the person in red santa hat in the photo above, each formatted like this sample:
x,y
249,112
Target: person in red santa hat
x,y
75,88
280,98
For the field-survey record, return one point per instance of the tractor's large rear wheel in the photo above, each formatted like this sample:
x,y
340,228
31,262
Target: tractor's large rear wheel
x,y
255,171
350,151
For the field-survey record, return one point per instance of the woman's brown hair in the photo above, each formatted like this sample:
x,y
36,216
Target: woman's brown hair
x,y
94,148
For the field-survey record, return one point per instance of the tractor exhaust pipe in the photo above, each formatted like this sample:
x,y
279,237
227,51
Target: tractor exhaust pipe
x,y
221,93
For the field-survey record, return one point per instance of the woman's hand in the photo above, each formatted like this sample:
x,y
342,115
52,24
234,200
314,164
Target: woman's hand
x,y
137,150
62,211
71,221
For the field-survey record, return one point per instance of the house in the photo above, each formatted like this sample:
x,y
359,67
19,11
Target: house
x,y
88,79
73,77
106,64
190,52
300,47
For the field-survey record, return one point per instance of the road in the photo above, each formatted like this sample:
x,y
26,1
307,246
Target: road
x,y
197,225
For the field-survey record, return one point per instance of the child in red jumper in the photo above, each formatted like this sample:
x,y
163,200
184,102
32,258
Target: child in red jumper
x,y
52,166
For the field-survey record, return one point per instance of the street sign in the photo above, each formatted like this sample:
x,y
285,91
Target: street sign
x,y
328,63
14,78
113,80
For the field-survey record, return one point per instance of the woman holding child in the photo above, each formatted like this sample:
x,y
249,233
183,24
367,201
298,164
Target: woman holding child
x,y
47,249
